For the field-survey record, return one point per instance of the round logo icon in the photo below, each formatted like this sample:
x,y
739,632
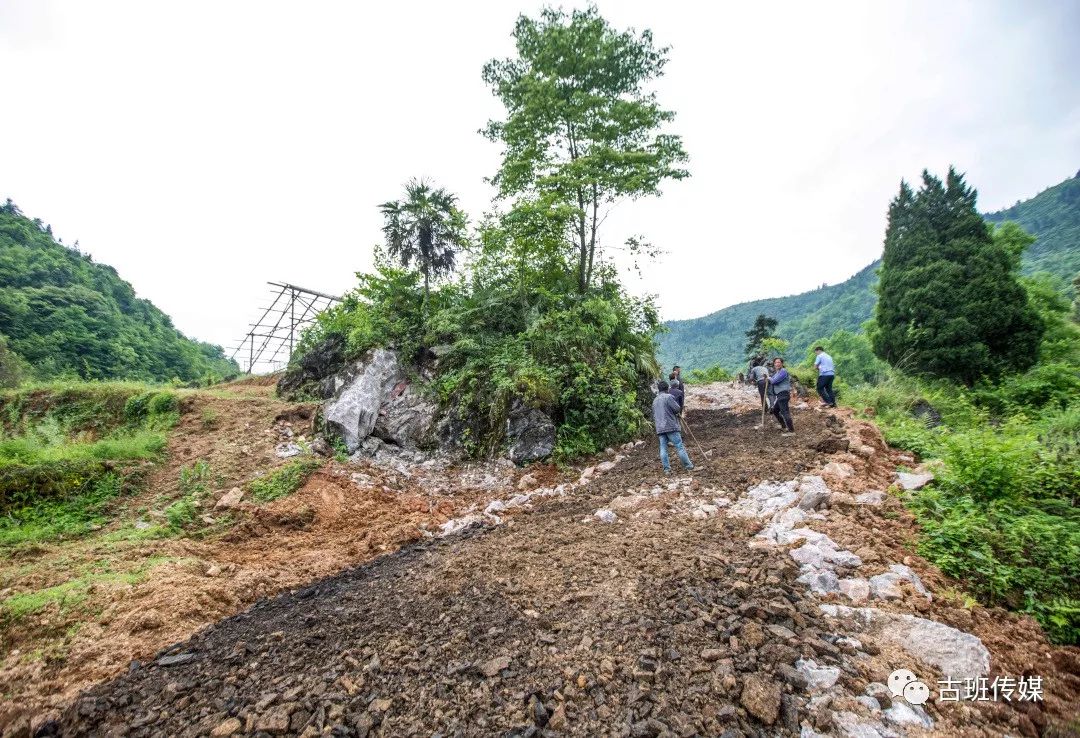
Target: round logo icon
x,y
900,679
916,693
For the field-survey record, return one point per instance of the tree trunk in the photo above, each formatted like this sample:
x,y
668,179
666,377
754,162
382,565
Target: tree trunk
x,y
592,237
583,249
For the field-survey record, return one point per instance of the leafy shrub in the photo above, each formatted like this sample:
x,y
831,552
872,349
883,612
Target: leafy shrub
x,y
182,513
715,373
283,481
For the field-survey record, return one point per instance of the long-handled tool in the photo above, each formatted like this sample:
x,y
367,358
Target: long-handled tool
x,y
763,403
686,428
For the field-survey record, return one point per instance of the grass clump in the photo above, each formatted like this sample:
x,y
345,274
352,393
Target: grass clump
x,y
712,374
68,449
69,517
74,592
283,481
194,488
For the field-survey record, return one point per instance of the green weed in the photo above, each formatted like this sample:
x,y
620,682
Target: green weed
x,y
284,480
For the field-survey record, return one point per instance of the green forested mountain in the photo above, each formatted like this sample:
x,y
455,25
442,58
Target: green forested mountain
x,y
1052,216
63,315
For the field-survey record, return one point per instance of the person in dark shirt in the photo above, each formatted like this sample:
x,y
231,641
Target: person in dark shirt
x,y
780,388
677,390
666,417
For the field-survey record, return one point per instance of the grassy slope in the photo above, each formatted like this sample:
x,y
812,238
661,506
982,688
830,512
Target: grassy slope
x,y
1053,216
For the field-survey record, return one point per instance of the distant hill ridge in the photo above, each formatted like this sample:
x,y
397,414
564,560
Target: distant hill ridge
x,y
65,316
1052,216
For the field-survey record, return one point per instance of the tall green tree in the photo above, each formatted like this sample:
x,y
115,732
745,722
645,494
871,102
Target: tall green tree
x,y
425,230
580,124
950,303
763,328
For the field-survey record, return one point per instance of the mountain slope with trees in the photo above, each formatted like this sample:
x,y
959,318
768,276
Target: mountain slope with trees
x,y
1052,216
62,315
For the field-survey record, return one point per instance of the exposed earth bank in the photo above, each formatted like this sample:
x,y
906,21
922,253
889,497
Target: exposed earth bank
x,y
697,610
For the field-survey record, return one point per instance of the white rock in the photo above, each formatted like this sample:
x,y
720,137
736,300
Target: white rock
x,y
765,499
230,499
818,678
527,482
824,552
701,512
906,573
911,482
954,653
872,497
627,502
902,713
813,493
820,581
457,524
838,469
287,450
494,507
886,586
605,466
605,516
517,500
856,590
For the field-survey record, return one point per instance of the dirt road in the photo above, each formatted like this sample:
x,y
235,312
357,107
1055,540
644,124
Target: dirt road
x,y
669,621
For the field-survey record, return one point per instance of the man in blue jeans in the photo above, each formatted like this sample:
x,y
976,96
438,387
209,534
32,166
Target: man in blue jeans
x,y
826,373
666,416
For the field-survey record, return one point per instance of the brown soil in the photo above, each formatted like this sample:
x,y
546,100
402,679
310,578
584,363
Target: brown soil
x,y
177,585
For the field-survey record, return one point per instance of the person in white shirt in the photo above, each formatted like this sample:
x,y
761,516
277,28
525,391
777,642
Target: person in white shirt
x,y
826,374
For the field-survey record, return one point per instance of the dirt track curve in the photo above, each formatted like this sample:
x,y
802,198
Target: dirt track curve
x,y
552,623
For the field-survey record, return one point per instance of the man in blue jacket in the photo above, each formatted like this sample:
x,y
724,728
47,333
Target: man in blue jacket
x,y
666,416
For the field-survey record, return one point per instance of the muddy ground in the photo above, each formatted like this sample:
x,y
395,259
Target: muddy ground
x,y
127,590
552,622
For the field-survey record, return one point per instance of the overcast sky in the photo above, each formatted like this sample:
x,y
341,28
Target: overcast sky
x,y
204,148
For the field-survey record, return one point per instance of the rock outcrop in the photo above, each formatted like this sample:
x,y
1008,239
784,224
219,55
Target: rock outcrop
x,y
530,434
373,397
306,378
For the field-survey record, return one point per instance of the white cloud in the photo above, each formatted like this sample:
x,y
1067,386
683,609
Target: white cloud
x,y
205,148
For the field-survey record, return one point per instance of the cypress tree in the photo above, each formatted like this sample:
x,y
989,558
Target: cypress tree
x,y
950,302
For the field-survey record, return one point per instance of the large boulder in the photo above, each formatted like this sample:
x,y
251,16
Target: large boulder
x,y
406,419
953,652
374,397
530,434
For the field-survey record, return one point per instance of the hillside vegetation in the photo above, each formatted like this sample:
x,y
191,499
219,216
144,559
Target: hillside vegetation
x,y
63,316
999,427
1052,216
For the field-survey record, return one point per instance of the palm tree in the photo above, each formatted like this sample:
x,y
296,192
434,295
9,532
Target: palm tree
x,y
425,229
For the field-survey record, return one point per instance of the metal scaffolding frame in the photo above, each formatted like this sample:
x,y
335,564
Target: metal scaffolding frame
x,y
292,309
